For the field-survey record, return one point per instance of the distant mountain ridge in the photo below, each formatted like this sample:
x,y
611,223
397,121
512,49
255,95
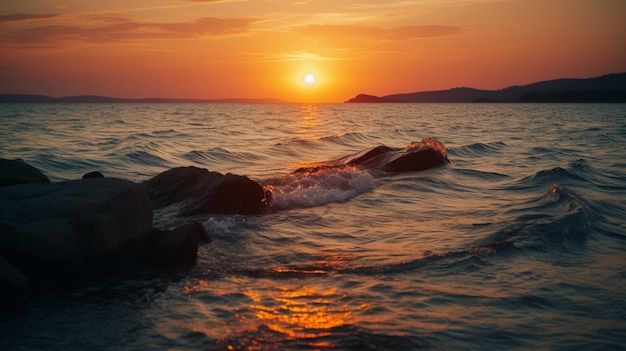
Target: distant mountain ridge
x,y
26,98
607,88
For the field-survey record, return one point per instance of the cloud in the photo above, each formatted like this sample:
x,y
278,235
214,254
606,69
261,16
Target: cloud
x,y
377,33
213,1
18,17
123,30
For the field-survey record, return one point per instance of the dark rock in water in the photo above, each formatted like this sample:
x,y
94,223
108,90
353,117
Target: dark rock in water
x,y
370,156
13,284
415,161
54,233
94,174
13,172
44,249
417,156
66,224
196,191
50,233
176,247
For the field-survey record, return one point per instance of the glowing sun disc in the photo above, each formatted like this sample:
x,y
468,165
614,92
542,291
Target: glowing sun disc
x,y
309,79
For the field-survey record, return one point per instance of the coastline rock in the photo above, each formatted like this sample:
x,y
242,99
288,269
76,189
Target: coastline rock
x,y
51,233
176,247
13,284
365,98
42,249
61,231
415,161
198,191
94,174
417,156
13,172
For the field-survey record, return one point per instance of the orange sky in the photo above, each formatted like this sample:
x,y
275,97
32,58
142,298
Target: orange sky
x,y
264,48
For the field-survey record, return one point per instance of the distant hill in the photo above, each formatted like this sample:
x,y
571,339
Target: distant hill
x,y
25,98
608,88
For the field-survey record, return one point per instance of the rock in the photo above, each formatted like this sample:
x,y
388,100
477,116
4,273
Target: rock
x,y
197,191
54,233
177,247
13,284
371,156
42,249
75,219
415,161
13,172
94,174
370,99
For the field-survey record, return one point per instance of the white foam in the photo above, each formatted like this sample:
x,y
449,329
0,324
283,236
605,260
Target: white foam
x,y
308,189
223,227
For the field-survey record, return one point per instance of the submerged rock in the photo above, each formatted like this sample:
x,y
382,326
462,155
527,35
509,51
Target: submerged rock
x,y
415,161
197,191
13,172
176,247
13,284
52,230
94,174
54,233
417,156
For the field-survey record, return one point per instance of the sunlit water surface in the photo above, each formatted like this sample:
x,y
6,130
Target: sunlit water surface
x,y
518,243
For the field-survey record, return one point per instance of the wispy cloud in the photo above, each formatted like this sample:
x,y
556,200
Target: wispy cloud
x,y
299,56
18,17
377,33
124,29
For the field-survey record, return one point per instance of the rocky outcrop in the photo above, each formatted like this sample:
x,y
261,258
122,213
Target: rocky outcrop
x,y
418,160
417,156
365,98
57,232
13,172
607,88
99,213
178,246
197,191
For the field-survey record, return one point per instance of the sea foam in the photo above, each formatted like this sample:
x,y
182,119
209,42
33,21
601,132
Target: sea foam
x,y
319,187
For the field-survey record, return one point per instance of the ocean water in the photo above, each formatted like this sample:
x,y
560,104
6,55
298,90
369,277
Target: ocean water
x,y
518,244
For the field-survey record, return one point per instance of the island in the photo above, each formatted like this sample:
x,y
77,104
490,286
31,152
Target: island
x,y
607,88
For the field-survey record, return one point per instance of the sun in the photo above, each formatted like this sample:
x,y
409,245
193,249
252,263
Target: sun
x,y
309,79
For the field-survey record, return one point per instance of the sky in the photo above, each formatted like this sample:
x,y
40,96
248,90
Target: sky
x,y
213,49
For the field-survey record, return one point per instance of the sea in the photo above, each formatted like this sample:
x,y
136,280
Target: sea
x,y
519,243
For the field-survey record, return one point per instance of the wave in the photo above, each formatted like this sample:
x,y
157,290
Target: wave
x,y
317,187
295,337
478,149
217,155
547,178
347,177
327,182
348,139
555,210
464,260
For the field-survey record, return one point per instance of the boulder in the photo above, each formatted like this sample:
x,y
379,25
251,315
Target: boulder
x,y
43,250
13,172
13,284
196,191
176,247
94,174
58,230
415,161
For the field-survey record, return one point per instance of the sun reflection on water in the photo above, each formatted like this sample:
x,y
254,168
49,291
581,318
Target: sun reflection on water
x,y
304,313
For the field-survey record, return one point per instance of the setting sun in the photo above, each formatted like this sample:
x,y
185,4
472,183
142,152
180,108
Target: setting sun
x,y
309,79
301,51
